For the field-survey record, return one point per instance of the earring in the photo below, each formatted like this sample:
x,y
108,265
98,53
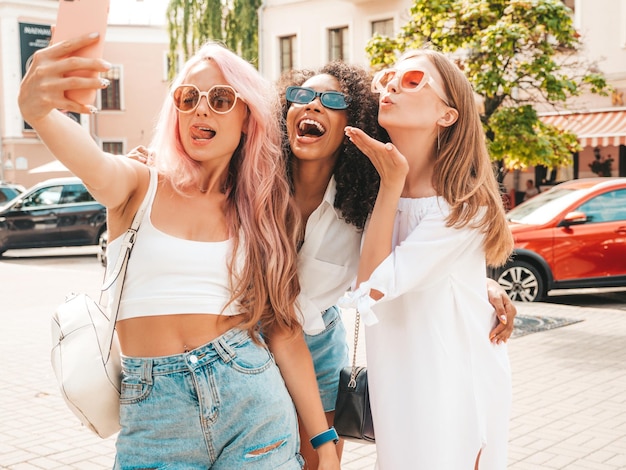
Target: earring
x,y
438,142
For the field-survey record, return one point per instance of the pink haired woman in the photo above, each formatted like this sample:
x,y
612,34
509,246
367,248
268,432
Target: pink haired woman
x,y
207,314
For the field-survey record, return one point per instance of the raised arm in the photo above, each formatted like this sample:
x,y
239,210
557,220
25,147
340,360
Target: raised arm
x,y
392,168
110,179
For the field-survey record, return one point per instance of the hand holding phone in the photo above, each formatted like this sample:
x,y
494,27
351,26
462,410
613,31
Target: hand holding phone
x,y
76,18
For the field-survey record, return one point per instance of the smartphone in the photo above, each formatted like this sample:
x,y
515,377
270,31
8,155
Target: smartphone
x,y
75,18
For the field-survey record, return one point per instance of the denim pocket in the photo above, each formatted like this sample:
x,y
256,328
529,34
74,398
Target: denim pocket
x,y
250,358
133,390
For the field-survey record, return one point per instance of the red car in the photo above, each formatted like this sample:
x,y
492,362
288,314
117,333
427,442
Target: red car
x,y
569,237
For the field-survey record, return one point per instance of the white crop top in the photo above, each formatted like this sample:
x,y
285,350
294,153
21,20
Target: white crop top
x,y
168,275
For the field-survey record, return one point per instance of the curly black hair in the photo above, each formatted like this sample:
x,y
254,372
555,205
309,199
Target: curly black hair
x,y
357,179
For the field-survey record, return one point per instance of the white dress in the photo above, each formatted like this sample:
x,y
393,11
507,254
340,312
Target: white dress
x,y
439,389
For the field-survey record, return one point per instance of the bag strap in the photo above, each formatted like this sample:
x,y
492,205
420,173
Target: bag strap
x,y
357,323
119,270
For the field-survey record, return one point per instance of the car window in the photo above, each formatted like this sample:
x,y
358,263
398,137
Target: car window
x,y
73,193
5,194
49,196
607,207
542,208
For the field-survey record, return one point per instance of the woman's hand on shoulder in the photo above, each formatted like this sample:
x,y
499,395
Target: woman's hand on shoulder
x,y
505,311
141,154
43,87
391,165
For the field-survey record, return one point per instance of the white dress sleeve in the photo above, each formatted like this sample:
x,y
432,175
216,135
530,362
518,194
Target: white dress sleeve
x,y
422,259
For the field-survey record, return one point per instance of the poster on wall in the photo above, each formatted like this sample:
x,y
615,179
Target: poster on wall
x,y
32,38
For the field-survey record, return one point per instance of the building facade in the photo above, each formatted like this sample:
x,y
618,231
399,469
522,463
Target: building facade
x,y
127,109
309,33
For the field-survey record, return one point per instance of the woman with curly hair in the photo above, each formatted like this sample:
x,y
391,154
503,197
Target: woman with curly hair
x,y
213,353
335,187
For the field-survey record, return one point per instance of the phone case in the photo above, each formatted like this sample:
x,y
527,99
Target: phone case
x,y
75,18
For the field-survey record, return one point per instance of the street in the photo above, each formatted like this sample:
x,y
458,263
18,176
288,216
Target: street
x,y
568,383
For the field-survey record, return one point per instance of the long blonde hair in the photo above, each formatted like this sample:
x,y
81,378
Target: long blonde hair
x,y
262,218
463,172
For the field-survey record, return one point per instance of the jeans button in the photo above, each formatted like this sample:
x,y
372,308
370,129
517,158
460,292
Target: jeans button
x,y
193,359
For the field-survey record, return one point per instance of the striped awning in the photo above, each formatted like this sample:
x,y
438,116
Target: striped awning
x,y
598,128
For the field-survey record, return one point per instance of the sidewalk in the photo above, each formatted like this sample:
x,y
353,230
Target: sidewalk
x,y
569,408
569,394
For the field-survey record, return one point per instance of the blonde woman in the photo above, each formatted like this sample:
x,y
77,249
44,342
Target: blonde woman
x,y
440,390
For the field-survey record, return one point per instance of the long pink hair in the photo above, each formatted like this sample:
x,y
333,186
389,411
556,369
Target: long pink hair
x,y
263,222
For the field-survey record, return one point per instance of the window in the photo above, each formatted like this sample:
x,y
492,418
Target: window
x,y
76,193
114,147
383,27
110,97
287,52
44,197
607,207
338,44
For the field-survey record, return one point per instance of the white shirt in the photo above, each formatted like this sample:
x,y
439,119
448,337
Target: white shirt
x,y
327,261
439,389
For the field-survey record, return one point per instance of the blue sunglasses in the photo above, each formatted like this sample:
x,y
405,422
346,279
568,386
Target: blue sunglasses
x,y
329,99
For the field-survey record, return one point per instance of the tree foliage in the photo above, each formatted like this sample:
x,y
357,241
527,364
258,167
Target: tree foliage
x,y
190,23
516,54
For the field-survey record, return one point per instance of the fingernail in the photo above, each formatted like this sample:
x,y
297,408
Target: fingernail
x,y
92,109
104,82
94,35
388,146
503,319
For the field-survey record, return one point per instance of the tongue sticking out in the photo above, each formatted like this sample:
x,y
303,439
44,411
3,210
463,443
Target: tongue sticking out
x,y
202,133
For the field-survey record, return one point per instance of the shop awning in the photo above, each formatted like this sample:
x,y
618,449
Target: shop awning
x,y
598,128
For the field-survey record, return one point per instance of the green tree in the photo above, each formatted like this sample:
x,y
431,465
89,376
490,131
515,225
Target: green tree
x,y
190,23
516,54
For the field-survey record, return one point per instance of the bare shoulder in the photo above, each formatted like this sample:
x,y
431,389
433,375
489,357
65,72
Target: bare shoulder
x,y
121,216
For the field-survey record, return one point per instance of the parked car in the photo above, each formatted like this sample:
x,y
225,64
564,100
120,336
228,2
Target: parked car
x,y
9,191
56,212
569,237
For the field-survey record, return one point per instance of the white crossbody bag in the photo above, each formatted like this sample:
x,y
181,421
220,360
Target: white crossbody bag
x,y
85,349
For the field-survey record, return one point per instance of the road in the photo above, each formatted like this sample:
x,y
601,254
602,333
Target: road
x,y
568,382
595,298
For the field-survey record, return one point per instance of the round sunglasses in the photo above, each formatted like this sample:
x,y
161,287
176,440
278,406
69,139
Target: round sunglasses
x,y
410,81
221,98
329,99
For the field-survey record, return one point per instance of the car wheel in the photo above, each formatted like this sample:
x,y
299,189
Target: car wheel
x,y
102,248
522,282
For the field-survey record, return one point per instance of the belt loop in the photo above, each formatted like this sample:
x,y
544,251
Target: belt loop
x,y
224,350
146,371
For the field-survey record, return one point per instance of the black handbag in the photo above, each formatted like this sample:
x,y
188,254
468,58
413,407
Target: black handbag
x,y
353,416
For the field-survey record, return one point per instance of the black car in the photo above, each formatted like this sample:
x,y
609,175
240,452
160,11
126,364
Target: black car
x,y
56,212
9,191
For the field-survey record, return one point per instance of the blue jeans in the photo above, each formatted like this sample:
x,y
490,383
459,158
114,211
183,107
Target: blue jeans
x,y
222,406
329,351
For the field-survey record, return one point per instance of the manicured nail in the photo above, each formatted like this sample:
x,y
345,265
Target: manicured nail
x,y
503,319
92,109
104,82
94,35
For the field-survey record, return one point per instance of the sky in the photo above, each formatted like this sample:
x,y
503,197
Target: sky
x,y
150,12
